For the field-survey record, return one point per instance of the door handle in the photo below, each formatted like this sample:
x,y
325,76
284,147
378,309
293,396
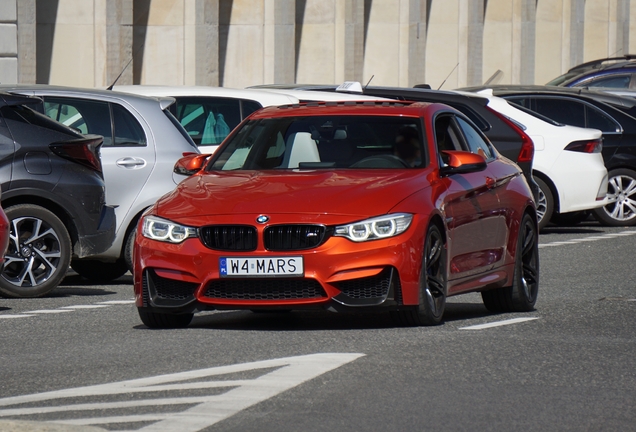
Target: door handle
x,y
131,162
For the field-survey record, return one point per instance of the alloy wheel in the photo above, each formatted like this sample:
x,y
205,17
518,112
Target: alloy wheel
x,y
622,198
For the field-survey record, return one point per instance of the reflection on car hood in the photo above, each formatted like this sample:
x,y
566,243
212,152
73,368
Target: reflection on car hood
x,y
344,192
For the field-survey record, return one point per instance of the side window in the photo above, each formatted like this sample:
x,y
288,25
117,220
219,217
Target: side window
x,y
446,136
208,120
598,120
568,112
128,131
524,102
85,116
620,81
475,141
248,107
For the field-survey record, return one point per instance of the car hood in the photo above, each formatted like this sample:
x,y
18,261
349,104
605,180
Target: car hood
x,y
344,192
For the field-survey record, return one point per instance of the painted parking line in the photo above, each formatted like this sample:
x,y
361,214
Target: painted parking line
x,y
204,396
589,239
48,311
116,302
96,306
498,323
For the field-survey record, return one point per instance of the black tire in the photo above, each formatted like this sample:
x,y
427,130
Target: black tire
x,y
129,245
545,204
621,191
522,295
99,271
39,252
156,320
432,284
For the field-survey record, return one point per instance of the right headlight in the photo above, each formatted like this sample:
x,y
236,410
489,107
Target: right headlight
x,y
160,229
375,228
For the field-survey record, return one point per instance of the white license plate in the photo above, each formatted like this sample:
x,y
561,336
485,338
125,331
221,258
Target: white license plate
x,y
260,266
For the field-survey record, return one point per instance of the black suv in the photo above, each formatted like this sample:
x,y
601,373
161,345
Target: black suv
x,y
53,194
614,116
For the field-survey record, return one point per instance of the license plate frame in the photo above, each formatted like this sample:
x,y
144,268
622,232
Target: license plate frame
x,y
254,267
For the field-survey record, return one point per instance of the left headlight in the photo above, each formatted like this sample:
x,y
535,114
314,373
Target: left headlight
x,y
156,228
375,228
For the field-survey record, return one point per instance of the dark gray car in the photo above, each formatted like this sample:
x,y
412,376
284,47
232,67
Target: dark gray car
x,y
53,195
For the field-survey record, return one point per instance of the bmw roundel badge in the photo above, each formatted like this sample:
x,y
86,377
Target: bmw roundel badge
x,y
262,219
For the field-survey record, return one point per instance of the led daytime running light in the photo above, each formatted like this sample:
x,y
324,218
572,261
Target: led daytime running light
x,y
375,228
164,230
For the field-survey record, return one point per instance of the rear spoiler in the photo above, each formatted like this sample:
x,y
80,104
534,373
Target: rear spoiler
x,y
12,99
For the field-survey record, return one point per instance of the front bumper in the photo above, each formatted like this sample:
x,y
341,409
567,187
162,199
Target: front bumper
x,y
338,275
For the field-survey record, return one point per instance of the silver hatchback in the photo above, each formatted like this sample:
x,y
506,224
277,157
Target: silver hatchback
x,y
142,142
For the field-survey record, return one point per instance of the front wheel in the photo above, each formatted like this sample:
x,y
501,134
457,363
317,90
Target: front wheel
x,y
621,192
522,295
155,320
432,284
39,252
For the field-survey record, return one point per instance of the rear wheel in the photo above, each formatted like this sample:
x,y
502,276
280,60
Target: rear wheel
x,y
164,321
99,271
621,192
545,205
432,284
522,295
39,252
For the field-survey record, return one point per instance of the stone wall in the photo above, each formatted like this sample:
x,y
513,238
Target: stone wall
x,y
237,43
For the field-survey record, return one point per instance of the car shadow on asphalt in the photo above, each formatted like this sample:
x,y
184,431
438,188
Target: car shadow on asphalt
x,y
320,320
74,285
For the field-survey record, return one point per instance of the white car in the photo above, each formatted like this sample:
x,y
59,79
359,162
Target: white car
x,y
567,166
209,114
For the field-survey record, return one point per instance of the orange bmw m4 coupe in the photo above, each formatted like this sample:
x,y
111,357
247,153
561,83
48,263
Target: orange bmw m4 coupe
x,y
376,206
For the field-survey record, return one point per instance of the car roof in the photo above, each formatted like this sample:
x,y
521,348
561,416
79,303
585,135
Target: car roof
x,y
315,95
601,96
380,108
263,97
84,93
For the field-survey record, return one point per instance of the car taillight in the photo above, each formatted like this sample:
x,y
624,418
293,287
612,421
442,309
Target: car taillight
x,y
83,151
586,146
526,154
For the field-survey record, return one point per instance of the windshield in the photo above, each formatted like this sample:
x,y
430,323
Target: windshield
x,y
324,142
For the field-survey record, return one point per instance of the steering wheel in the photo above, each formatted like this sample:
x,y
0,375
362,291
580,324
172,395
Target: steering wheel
x,y
381,161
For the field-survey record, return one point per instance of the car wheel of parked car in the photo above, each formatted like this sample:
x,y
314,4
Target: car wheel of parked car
x,y
39,252
545,205
522,295
621,191
129,245
432,284
160,320
99,271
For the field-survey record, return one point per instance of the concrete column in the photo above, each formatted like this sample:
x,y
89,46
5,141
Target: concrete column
x,y
577,32
206,33
8,42
473,66
527,43
119,43
280,41
354,39
414,31
26,41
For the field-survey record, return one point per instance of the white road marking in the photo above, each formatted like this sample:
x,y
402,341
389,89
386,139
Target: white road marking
x,y
498,323
116,302
588,239
49,311
288,372
84,307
